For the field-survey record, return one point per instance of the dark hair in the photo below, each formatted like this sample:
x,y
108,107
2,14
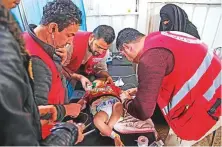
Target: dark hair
x,y
7,20
127,35
62,12
105,32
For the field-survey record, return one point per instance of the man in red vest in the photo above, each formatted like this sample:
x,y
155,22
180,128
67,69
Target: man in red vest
x,y
176,71
46,44
20,121
89,53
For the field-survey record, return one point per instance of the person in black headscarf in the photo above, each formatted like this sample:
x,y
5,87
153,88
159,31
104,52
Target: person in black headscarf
x,y
173,18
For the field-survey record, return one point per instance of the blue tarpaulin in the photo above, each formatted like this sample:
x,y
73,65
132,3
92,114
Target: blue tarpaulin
x,y
34,9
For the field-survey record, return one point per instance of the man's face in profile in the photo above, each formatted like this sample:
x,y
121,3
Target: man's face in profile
x,y
9,4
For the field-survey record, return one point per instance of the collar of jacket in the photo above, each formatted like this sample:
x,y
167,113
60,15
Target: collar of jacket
x,y
46,47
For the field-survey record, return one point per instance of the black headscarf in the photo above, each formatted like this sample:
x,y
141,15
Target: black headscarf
x,y
178,20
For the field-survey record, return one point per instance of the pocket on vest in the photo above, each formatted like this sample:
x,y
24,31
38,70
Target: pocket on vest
x,y
182,115
192,122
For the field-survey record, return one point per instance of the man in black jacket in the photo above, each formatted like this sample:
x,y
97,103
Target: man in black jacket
x,y
59,23
20,121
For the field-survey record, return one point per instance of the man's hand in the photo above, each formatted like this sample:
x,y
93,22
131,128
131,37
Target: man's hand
x,y
85,82
132,91
109,80
81,128
50,109
73,109
125,95
105,74
82,102
62,52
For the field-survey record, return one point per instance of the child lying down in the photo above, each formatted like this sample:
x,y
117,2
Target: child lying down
x,y
106,107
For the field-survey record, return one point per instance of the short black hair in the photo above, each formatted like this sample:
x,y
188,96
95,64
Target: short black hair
x,y
105,32
127,35
62,12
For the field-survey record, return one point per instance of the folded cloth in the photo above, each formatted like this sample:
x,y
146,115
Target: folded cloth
x,y
131,125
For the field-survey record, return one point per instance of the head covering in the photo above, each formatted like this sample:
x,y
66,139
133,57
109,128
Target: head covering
x,y
178,20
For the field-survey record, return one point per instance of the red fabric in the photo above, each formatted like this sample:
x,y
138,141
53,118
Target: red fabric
x,y
112,90
80,46
57,91
93,61
188,57
46,130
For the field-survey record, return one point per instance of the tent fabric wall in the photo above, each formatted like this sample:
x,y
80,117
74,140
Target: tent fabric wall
x,y
205,14
17,16
33,10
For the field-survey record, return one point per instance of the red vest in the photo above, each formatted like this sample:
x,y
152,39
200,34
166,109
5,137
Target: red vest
x,y
80,46
57,91
191,89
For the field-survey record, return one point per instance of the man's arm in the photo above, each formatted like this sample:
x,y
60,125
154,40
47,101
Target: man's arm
x,y
42,80
42,84
152,68
102,74
105,74
70,74
101,70
63,134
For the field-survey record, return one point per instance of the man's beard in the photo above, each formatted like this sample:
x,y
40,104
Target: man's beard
x,y
94,53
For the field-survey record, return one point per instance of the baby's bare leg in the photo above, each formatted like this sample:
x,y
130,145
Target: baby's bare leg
x,y
100,120
116,114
